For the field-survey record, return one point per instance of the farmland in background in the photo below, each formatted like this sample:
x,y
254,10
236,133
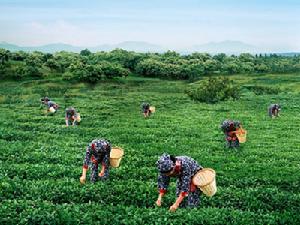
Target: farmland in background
x,y
41,159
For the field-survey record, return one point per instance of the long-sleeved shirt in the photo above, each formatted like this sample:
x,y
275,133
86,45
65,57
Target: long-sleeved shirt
x,y
97,152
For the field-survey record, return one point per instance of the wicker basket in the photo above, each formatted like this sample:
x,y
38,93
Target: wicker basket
x,y
116,155
241,135
78,118
51,110
205,180
152,109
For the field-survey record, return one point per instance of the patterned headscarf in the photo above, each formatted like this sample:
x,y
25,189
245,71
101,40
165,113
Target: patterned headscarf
x,y
278,107
99,145
165,164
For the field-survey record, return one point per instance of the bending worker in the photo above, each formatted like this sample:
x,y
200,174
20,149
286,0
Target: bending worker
x,y
97,152
274,110
51,106
71,116
183,168
146,109
229,127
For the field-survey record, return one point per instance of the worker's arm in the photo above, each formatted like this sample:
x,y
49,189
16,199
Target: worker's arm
x,y
85,164
74,117
184,187
103,167
163,183
105,161
83,176
178,201
160,195
66,118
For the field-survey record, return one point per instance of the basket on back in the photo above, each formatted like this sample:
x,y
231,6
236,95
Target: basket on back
x,y
116,155
241,135
205,180
51,110
78,118
152,109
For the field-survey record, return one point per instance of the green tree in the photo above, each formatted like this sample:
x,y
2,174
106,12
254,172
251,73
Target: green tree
x,y
52,64
4,56
85,52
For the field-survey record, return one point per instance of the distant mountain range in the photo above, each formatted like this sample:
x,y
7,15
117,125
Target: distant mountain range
x,y
136,46
227,47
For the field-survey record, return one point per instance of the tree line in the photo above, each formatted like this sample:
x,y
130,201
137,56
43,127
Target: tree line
x,y
92,67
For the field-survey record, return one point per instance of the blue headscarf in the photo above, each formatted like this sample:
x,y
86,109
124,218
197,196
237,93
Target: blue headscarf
x,y
164,163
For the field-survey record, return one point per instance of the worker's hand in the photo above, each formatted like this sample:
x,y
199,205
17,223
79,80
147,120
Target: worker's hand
x,y
82,179
173,207
101,174
158,202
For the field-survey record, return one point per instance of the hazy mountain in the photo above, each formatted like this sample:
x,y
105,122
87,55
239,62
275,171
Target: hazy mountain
x,y
56,48
140,46
228,47
136,46
44,48
10,47
289,54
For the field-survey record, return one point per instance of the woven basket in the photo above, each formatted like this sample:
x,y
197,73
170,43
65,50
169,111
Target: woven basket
x,y
205,180
116,155
152,109
241,135
78,118
51,110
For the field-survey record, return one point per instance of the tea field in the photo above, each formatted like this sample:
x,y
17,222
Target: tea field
x,y
41,159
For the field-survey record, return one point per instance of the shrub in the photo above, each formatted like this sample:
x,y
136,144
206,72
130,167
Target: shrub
x,y
213,89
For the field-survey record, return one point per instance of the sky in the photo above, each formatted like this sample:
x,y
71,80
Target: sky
x,y
269,24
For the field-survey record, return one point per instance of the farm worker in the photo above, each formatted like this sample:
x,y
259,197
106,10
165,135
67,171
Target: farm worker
x,y
49,104
183,168
71,116
229,127
274,110
44,100
97,152
146,109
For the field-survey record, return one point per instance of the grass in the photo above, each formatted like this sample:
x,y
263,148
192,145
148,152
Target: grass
x,y
41,159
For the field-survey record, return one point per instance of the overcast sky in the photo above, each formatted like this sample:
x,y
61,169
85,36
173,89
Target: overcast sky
x,y
271,24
